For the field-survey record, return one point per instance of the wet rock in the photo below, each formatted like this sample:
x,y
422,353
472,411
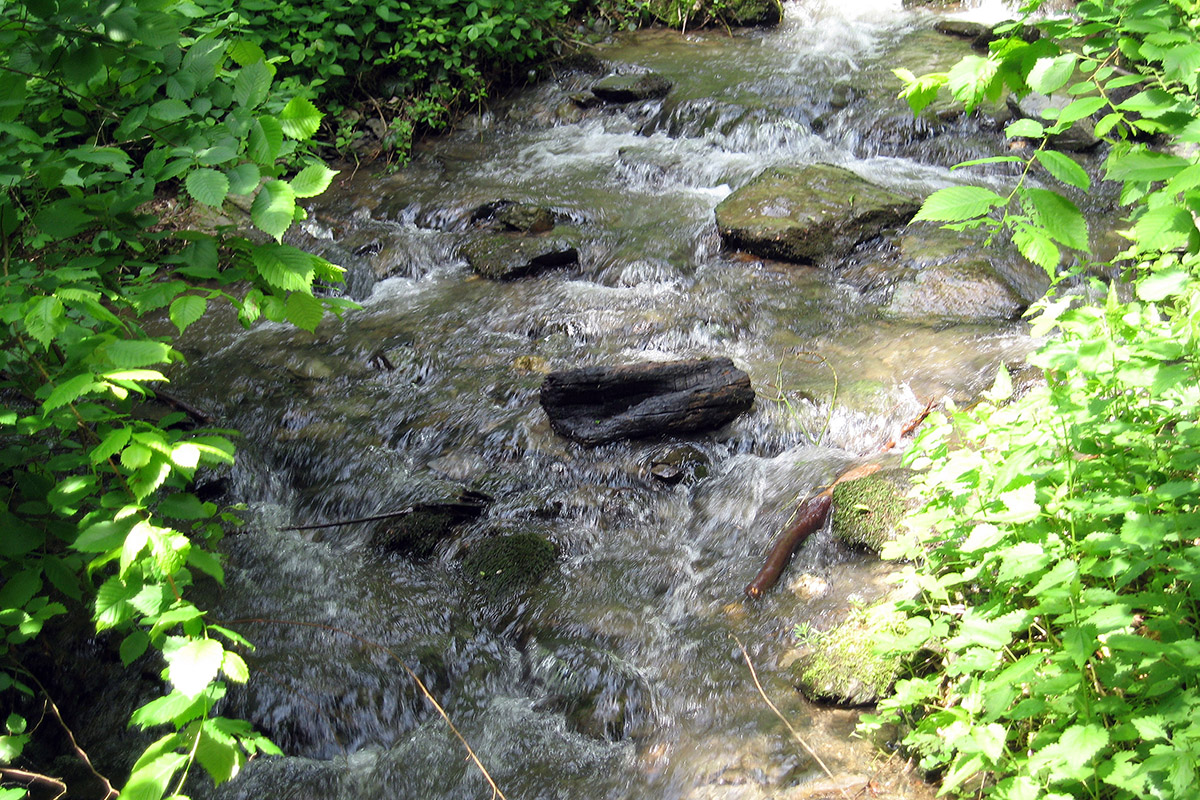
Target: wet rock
x,y
804,214
841,665
868,512
963,290
594,405
526,217
1081,136
679,463
963,29
631,87
417,533
502,565
808,587
502,256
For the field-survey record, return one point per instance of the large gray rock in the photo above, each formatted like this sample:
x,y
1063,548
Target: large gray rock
x,y
631,87
503,256
594,405
805,214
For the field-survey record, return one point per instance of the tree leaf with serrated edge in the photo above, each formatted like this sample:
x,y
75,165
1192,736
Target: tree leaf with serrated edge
x,y
304,311
170,110
245,52
1060,218
1064,168
251,85
149,782
312,180
234,667
273,208
187,309
284,267
1025,129
1162,284
1051,74
970,78
136,352
112,603
207,563
207,186
265,140
1083,107
1144,165
1164,228
102,536
220,756
174,707
958,203
300,118
70,390
133,646
1038,248
135,542
110,445
192,665
20,588
244,178
44,319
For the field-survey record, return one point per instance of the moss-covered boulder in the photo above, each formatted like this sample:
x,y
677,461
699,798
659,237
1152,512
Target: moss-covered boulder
x,y
631,87
841,665
965,290
505,256
867,512
418,533
805,214
501,565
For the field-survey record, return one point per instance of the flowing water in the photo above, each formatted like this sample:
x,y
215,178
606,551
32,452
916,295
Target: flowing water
x,y
619,675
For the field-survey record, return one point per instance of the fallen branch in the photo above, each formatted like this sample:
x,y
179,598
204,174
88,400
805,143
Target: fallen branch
x,y
811,515
471,505
202,417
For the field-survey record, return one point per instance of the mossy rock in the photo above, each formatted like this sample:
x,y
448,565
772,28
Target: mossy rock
x,y
504,564
867,512
506,256
841,665
806,214
631,87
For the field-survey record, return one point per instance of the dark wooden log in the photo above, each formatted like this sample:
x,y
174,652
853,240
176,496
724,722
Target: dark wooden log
x,y
594,405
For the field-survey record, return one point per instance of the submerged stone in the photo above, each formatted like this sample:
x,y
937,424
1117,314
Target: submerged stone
x,y
805,214
631,87
963,290
501,565
417,533
594,405
504,256
841,665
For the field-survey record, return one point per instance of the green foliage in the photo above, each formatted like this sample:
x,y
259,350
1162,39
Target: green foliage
x,y
431,56
103,107
1055,638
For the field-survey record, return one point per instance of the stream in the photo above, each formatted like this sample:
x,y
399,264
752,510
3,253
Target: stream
x,y
619,674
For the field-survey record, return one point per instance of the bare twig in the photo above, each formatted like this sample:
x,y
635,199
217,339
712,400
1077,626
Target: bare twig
x,y
496,793
110,792
782,718
25,777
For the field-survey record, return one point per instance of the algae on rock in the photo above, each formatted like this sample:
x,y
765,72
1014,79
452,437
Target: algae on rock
x,y
504,564
842,664
868,511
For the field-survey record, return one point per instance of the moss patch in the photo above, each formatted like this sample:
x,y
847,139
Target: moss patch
x,y
841,664
867,511
505,564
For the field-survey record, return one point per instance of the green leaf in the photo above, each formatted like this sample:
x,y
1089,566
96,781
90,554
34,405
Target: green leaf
x,y
1051,74
170,110
1025,129
136,352
1162,284
1164,229
20,588
274,208
958,203
300,118
234,667
312,180
1060,218
265,140
113,606
220,755
1038,248
284,267
187,309
149,781
70,390
110,445
1064,168
133,646
192,665
244,178
304,311
251,85
45,319
207,186
1083,107
970,78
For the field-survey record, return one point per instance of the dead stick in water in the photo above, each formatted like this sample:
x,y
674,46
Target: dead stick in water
x,y
812,513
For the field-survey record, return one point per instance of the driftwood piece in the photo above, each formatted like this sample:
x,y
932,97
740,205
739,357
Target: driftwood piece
x,y
595,405
813,512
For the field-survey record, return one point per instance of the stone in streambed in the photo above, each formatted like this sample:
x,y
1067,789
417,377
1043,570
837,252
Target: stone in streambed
x,y
594,405
867,512
505,256
629,88
841,665
417,533
805,214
